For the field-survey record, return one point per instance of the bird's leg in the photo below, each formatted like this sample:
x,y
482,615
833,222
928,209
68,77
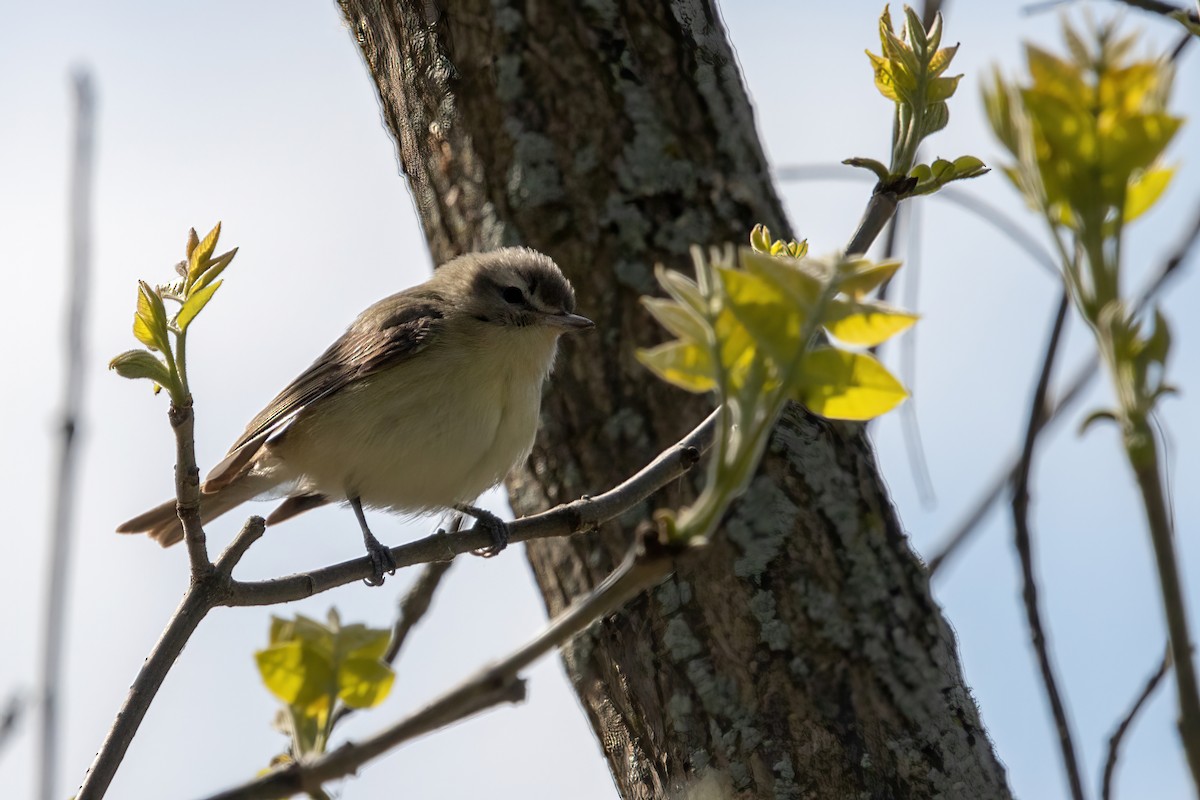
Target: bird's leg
x,y
381,557
495,527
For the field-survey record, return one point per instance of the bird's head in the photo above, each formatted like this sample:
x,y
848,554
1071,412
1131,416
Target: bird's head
x,y
513,287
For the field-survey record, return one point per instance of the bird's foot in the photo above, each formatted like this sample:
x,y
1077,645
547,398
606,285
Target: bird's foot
x,y
493,525
381,560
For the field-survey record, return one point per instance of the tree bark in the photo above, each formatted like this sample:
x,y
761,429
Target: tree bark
x,y
802,656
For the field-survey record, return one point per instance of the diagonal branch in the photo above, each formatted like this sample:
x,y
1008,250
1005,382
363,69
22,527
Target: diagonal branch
x,y
203,594
1023,541
574,517
59,561
218,588
1114,741
646,563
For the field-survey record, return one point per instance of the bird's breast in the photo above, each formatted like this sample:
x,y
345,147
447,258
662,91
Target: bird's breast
x,y
433,431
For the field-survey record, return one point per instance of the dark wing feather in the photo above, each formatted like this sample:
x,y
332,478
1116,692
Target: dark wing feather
x,y
384,335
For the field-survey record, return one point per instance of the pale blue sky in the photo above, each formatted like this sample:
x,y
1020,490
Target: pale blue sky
x,y
261,115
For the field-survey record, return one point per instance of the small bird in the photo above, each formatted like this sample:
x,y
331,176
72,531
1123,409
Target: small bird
x,y
427,400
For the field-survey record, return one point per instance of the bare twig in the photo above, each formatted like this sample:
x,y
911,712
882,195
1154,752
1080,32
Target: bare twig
x,y
414,606
216,587
574,517
879,211
647,563
1165,9
9,718
1114,741
58,565
982,209
1078,383
203,594
1023,541
1162,537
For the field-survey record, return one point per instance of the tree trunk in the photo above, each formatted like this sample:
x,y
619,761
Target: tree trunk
x,y
803,655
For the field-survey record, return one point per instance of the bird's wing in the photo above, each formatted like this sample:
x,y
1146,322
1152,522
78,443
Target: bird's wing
x,y
385,335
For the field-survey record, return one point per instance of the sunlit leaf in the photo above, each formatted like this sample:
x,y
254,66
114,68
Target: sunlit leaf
x,y
364,682
688,366
295,672
195,304
1144,192
677,318
682,288
198,257
213,270
770,315
866,324
862,277
797,278
136,364
150,319
841,385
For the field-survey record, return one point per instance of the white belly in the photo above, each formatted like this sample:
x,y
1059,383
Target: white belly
x,y
434,431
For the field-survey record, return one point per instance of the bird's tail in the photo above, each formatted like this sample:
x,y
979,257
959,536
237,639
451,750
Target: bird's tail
x,y
162,522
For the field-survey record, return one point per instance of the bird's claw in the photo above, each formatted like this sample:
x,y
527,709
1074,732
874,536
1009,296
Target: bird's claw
x,y
495,527
381,562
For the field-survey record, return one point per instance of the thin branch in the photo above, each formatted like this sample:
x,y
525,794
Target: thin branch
x,y
217,588
414,606
1165,9
985,211
1114,741
203,594
1023,541
9,718
646,564
187,488
880,209
574,517
1162,536
59,559
1079,382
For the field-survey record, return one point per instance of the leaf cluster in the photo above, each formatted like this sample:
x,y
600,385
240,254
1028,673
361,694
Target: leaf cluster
x,y
764,325
164,333
1088,130
910,71
314,668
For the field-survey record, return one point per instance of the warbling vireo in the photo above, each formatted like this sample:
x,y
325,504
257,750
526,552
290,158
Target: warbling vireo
x,y
428,399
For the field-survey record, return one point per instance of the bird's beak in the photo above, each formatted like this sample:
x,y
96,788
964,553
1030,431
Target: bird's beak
x,y
569,322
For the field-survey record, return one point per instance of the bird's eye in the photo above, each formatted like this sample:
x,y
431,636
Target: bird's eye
x,y
512,294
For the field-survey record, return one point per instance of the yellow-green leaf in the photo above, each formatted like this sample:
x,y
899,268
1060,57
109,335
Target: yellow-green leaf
x,y
194,304
688,366
842,385
295,673
198,257
681,287
760,238
797,278
150,319
134,364
364,682
215,267
941,89
678,319
770,315
866,324
359,641
1144,192
860,277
